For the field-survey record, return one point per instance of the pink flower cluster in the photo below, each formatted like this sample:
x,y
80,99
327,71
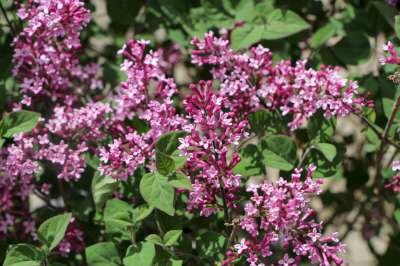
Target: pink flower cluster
x,y
47,67
394,184
279,215
212,132
45,58
141,110
250,80
391,55
145,95
73,240
17,171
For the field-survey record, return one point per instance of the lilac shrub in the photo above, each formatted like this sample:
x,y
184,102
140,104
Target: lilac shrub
x,y
151,170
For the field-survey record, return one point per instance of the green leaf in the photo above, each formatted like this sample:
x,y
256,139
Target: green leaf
x,y
140,125
387,12
251,161
103,254
169,142
181,181
397,216
164,163
323,34
19,122
245,10
124,11
319,128
142,211
142,255
103,188
155,239
246,36
353,49
328,150
23,255
179,161
156,191
397,26
279,152
387,108
174,262
2,142
262,121
52,231
276,161
283,23
171,237
211,244
92,160
118,218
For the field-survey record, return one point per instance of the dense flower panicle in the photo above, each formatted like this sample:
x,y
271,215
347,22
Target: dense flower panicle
x,y
237,72
45,52
83,123
279,214
69,161
391,55
17,172
394,184
70,132
212,132
301,92
145,95
250,79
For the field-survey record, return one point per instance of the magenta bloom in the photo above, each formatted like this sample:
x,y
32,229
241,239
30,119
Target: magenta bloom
x,y
279,214
250,81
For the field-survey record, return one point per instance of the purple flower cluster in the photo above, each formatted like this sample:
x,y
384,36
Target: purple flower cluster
x,y
45,58
279,215
73,240
17,171
141,109
391,55
145,95
250,80
211,134
47,67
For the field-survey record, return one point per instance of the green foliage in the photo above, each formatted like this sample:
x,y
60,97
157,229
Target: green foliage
x,y
143,254
52,231
23,255
179,180
171,237
102,189
148,223
103,254
18,122
118,218
157,192
279,152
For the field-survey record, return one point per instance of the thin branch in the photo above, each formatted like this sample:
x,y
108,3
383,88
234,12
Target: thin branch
x,y
385,134
377,132
14,32
46,200
304,156
221,188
